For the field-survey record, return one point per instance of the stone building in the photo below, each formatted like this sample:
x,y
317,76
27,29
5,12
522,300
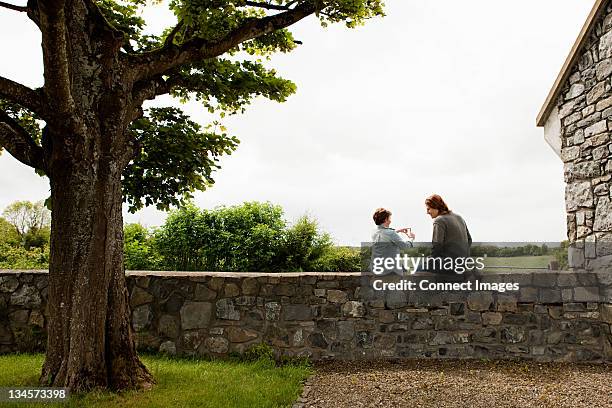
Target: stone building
x,y
577,121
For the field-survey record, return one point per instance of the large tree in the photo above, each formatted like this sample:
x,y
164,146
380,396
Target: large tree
x,y
86,130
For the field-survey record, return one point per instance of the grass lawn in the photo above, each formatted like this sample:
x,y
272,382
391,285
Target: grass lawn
x,y
180,383
520,261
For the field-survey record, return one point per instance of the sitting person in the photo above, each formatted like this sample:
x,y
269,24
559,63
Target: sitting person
x,y
451,237
387,243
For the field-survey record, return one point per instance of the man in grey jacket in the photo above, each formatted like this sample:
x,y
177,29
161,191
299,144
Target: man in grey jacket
x,y
451,237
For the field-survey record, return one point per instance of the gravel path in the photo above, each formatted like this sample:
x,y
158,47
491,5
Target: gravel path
x,y
464,384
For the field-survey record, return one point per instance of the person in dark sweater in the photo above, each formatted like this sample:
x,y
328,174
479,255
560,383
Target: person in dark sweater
x,y
451,237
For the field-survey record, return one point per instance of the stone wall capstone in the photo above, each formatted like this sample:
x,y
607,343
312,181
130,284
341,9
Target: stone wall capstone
x,y
560,316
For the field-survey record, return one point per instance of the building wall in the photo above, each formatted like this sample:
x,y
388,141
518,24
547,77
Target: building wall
x,y
560,316
585,111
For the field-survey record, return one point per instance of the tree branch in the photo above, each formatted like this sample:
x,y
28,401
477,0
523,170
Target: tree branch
x,y
19,143
175,30
33,12
21,95
149,89
266,5
162,60
55,57
13,7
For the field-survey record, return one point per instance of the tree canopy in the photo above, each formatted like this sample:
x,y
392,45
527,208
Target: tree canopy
x,y
216,53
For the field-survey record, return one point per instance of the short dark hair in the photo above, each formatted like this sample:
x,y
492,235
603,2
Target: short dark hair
x,y
437,203
381,215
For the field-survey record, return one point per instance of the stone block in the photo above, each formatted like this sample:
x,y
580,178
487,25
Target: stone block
x,y
37,319
141,317
396,299
8,284
422,323
317,340
512,334
346,330
168,326
140,297
319,292
550,295
606,313
603,215
297,312
479,301
353,309
570,153
240,335
582,170
586,294
575,90
605,45
575,257
574,307
336,296
506,303
272,311
168,347
231,290
202,292
578,195
226,310
528,294
440,338
540,309
596,93
195,315
567,279
216,345
249,286
26,296
604,103
491,318
19,316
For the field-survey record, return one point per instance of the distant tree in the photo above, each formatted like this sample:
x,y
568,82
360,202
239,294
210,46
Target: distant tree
x,y
26,216
139,248
8,234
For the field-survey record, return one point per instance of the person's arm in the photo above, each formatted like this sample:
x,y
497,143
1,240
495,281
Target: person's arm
x,y
437,240
397,240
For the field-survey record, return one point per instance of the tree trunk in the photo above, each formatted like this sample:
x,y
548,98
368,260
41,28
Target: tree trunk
x,y
90,337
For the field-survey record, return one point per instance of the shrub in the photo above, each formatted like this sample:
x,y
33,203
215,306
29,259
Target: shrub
x,y
22,258
249,237
338,259
140,252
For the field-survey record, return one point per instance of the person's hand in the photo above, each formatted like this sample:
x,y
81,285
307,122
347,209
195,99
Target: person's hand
x,y
403,230
407,231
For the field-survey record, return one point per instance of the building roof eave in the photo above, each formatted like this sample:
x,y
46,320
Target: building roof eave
x,y
570,61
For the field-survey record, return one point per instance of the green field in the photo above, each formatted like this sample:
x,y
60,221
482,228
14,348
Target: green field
x,y
180,383
520,261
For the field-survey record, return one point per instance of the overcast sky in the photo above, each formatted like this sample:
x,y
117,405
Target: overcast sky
x,y
437,97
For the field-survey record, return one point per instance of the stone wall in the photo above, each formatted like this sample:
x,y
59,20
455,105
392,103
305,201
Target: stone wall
x,y
554,316
585,110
